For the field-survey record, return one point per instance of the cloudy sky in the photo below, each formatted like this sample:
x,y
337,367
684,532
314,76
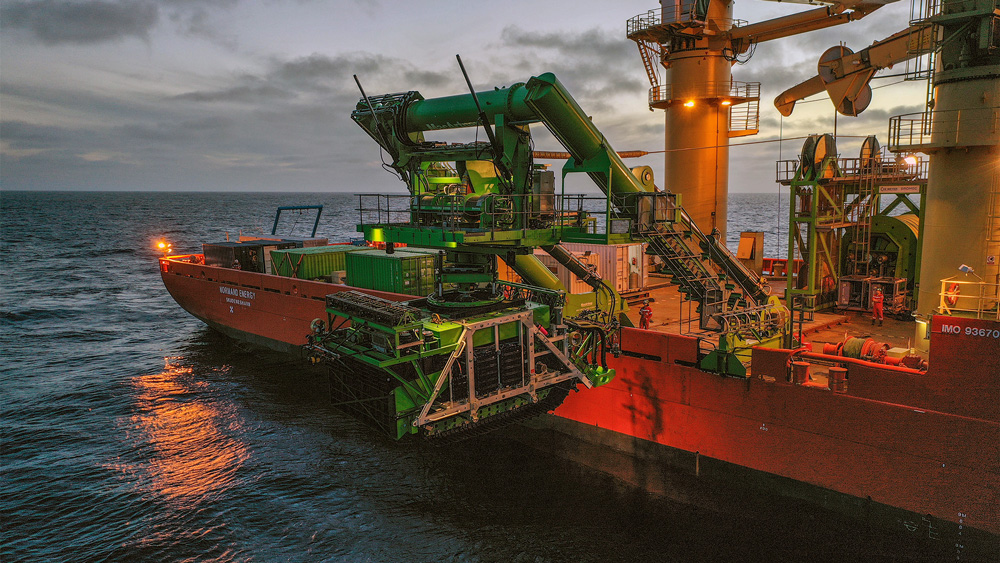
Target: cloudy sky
x,y
233,95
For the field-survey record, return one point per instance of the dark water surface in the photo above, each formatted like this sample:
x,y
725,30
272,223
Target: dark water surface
x,y
131,432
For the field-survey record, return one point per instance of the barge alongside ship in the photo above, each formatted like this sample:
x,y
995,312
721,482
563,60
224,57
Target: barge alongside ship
x,y
728,383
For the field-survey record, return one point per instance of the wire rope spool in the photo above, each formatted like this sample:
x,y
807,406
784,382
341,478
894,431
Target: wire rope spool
x,y
854,347
815,150
871,153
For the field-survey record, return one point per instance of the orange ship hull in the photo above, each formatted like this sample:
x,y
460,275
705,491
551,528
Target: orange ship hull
x,y
925,447
883,444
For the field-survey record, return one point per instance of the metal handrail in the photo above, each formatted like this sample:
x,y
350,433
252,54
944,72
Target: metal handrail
x,y
588,214
961,297
888,168
736,91
680,12
956,127
642,22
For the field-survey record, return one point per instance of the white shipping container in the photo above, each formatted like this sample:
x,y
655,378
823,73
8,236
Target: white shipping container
x,y
625,266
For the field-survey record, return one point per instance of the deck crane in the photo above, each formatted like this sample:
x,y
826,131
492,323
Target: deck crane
x,y
688,49
479,351
845,75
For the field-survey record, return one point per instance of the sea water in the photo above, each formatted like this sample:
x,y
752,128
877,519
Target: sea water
x,y
132,432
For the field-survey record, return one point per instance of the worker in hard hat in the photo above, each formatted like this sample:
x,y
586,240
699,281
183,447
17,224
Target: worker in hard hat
x,y
645,315
878,301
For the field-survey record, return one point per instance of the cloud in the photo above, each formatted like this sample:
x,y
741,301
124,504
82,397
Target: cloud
x,y
593,44
282,122
96,21
283,125
306,77
600,68
55,22
253,91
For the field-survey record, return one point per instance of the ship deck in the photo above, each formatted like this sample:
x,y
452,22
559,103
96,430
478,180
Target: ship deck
x,y
673,315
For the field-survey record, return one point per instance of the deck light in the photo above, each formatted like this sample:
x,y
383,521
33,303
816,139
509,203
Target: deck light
x,y
727,103
689,104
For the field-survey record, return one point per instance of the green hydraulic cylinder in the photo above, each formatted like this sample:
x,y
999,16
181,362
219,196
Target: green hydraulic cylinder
x,y
453,112
532,271
569,123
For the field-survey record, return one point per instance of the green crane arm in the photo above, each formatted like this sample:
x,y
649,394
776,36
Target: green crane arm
x,y
592,153
541,99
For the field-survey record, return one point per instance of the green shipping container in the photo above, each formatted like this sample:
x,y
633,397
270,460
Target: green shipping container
x,y
311,263
406,271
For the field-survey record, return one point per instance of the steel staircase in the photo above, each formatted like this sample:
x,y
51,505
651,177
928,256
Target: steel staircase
x,y
703,268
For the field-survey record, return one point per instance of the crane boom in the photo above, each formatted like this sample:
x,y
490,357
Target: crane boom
x,y
845,74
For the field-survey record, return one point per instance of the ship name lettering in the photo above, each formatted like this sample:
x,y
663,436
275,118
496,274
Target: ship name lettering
x,y
235,292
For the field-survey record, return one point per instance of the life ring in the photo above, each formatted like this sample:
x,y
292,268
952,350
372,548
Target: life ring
x,y
951,295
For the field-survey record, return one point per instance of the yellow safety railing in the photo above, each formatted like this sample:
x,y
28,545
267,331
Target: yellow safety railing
x,y
969,298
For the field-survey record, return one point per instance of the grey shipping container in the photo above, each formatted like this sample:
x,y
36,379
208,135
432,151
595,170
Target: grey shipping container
x,y
248,256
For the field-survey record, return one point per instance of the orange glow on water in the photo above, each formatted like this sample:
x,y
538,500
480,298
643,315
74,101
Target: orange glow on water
x,y
192,456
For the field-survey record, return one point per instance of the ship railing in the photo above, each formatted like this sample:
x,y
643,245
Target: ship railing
x,y
886,169
733,91
778,267
944,128
454,212
785,170
962,297
922,10
642,22
675,15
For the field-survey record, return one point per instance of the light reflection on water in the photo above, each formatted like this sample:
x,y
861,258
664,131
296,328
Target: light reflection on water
x,y
194,455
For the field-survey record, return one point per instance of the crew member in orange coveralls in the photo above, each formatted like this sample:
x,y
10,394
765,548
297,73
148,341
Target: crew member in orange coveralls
x,y
877,303
645,314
